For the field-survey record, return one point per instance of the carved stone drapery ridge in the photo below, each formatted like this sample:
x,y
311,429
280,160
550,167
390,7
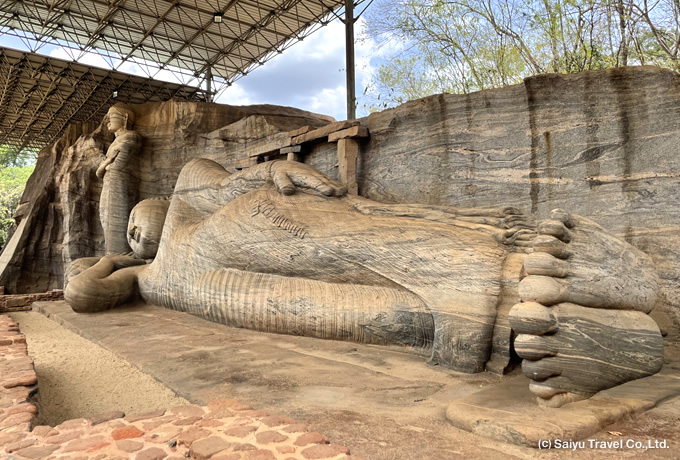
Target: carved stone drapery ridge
x,y
320,263
120,190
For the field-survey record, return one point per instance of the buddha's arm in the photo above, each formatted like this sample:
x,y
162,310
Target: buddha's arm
x,y
126,144
110,282
207,186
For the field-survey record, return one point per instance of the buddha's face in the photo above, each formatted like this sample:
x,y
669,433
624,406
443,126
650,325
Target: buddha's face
x,y
116,122
145,227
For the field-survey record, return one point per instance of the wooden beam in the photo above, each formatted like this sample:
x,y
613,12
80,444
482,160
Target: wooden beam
x,y
301,130
322,132
349,133
348,151
267,145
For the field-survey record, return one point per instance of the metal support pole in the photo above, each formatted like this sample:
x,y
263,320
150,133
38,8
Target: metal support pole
x,y
208,84
349,59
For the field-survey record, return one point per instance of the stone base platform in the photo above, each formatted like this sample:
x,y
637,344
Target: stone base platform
x,y
224,430
383,403
508,411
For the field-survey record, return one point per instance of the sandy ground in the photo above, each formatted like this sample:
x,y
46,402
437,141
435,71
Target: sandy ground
x,y
382,404
363,398
77,378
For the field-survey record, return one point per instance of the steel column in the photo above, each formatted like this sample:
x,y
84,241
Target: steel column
x,y
349,59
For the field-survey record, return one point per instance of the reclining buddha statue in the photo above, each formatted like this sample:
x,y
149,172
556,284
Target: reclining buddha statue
x,y
282,248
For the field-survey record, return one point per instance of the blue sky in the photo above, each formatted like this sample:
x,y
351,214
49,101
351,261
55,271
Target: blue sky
x,y
310,75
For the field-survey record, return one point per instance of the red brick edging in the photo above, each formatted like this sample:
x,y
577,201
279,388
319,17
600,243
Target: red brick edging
x,y
19,302
223,430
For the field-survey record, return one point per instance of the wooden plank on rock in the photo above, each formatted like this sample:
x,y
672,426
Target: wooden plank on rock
x,y
299,131
349,133
267,145
348,150
324,131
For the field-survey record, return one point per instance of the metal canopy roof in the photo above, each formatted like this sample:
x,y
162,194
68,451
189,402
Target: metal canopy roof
x,y
180,36
172,40
40,96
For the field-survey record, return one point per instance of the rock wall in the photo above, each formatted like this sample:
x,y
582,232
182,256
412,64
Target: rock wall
x,y
60,220
59,213
602,144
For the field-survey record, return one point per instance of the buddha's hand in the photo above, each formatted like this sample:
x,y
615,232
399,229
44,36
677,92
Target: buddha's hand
x,y
291,175
101,170
123,260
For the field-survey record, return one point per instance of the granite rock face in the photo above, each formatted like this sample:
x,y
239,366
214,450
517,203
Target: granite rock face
x,y
600,144
60,213
61,203
279,247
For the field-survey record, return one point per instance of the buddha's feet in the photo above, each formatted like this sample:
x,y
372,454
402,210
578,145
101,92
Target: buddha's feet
x,y
583,324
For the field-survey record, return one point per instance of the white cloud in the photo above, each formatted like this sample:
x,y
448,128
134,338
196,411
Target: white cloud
x,y
92,59
310,75
331,100
329,40
235,95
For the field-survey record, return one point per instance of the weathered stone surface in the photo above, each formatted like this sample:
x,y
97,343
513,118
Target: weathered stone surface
x,y
106,416
447,340
136,417
240,431
311,438
126,432
33,259
324,131
277,420
208,447
471,150
61,220
37,451
268,437
127,445
349,133
599,144
411,259
22,302
507,412
427,277
109,436
581,328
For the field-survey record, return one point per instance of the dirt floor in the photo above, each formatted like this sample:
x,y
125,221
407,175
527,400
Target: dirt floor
x,y
382,404
80,379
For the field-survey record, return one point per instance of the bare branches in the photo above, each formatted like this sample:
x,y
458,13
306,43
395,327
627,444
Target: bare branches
x,y
468,45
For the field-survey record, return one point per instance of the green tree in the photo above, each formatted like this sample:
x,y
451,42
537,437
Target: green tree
x,y
11,156
12,182
459,46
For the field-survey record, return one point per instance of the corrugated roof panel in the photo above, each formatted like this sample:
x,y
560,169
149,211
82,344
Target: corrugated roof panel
x,y
183,35
192,18
80,93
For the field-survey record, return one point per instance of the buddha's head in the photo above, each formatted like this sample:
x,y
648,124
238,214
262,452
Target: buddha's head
x,y
120,117
145,226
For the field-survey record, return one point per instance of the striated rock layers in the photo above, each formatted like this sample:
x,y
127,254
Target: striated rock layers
x,y
60,209
600,144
